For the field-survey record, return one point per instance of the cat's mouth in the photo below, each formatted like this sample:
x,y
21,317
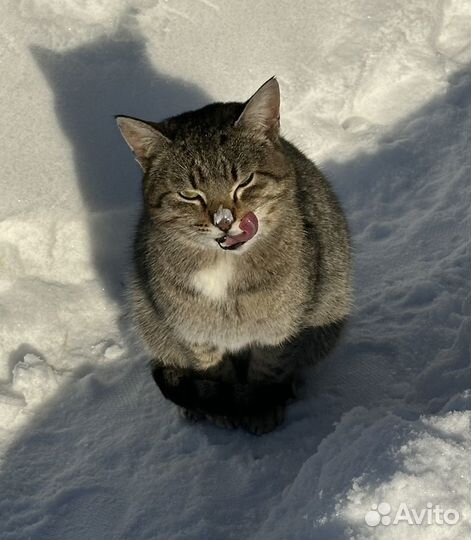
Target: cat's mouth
x,y
249,227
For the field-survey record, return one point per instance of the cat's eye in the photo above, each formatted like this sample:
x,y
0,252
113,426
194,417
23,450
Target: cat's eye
x,y
246,182
243,184
191,195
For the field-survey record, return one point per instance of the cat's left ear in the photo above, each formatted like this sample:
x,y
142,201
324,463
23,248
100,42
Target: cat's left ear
x,y
262,111
144,140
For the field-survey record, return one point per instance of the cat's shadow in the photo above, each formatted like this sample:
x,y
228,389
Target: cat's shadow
x,y
92,83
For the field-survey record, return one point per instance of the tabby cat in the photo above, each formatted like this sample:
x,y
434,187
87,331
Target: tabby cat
x,y
241,247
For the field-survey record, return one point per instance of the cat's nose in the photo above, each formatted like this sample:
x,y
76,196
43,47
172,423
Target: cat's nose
x,y
223,218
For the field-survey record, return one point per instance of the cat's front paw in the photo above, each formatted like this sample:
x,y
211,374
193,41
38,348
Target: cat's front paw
x,y
190,415
264,421
226,422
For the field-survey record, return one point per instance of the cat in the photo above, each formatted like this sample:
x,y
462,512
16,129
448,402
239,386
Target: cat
x,y
241,247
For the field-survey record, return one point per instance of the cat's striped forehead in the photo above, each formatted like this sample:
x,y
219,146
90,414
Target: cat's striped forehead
x,y
208,165
208,171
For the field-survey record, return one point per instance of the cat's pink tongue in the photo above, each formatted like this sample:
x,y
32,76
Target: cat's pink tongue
x,y
249,227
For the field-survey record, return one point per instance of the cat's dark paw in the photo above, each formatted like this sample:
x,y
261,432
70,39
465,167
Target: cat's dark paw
x,y
263,422
190,415
269,395
226,422
177,385
192,391
256,407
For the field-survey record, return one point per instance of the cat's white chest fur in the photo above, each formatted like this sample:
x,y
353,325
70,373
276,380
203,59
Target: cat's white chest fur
x,y
213,281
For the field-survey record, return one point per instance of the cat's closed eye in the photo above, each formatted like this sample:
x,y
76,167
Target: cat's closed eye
x,y
192,195
242,185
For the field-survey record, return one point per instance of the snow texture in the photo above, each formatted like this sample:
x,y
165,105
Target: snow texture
x,y
377,93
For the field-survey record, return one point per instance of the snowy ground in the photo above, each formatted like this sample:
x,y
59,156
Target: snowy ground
x,y
377,92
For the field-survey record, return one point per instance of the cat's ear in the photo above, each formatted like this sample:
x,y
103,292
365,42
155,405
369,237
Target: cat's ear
x,y
144,140
262,111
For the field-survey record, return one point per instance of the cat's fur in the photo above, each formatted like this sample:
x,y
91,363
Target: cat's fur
x,y
217,322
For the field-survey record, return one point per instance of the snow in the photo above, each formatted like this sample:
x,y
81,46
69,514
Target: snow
x,y
377,92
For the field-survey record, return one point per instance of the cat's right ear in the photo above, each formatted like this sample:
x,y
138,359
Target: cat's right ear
x,y
144,140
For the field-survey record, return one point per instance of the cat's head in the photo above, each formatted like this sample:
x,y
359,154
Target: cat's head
x,y
216,177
